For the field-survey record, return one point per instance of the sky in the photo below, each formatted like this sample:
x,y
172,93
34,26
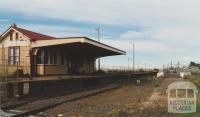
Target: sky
x,y
162,30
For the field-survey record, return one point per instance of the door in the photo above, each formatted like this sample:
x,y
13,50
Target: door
x,y
33,65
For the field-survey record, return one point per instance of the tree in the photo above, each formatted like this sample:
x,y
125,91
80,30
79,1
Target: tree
x,y
194,64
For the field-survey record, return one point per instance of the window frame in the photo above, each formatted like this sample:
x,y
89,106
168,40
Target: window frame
x,y
14,55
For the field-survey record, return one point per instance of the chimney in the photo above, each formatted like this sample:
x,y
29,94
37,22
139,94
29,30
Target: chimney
x,y
14,25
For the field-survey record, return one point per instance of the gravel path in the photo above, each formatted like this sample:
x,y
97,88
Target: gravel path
x,y
40,104
120,102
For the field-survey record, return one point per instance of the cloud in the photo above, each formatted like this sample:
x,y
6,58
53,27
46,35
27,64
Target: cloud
x,y
143,12
169,28
55,30
140,46
4,20
134,35
167,43
179,34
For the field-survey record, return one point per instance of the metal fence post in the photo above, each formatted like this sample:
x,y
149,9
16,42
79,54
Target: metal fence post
x,y
3,64
17,78
6,70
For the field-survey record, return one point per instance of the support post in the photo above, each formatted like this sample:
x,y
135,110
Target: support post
x,y
128,65
17,77
30,66
98,36
6,70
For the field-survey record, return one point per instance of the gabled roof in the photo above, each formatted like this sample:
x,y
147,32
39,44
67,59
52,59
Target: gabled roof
x,y
41,40
33,35
30,34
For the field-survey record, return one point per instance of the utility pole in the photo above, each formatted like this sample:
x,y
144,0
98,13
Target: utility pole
x,y
145,64
171,65
128,64
98,37
178,64
133,47
149,67
163,67
133,57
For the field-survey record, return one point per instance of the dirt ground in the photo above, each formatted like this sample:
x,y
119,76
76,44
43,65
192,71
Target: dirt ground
x,y
147,99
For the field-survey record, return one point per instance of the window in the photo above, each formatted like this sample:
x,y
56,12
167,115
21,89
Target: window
x,y
11,36
16,36
55,57
13,55
51,56
40,58
46,57
173,93
62,58
181,93
190,93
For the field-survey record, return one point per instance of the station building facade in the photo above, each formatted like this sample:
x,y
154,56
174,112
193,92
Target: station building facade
x,y
38,54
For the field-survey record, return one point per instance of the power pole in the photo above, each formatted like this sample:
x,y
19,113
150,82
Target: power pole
x,y
133,47
133,57
171,65
163,67
98,37
128,64
178,64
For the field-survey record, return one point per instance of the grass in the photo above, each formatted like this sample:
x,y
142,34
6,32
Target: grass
x,y
115,114
197,114
195,78
198,108
119,114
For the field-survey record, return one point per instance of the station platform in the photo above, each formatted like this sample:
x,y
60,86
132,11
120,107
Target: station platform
x,y
65,77
50,85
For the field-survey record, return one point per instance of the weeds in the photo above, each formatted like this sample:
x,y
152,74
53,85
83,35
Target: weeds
x,y
195,78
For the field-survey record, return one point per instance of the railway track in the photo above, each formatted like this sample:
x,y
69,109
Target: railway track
x,y
22,102
31,108
25,111
10,106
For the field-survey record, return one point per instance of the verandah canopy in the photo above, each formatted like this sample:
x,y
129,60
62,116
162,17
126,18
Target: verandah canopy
x,y
80,46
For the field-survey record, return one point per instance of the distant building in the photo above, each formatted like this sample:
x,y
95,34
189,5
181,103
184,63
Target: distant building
x,y
38,54
194,69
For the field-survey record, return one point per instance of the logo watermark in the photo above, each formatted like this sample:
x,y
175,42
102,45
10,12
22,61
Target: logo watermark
x,y
3,114
182,97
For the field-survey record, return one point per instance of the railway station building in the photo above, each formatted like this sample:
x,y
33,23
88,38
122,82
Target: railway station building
x,y
38,54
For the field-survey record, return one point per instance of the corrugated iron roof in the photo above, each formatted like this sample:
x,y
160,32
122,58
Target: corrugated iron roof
x,y
33,35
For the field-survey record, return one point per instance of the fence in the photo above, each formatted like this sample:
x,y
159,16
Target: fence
x,y
10,70
124,69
